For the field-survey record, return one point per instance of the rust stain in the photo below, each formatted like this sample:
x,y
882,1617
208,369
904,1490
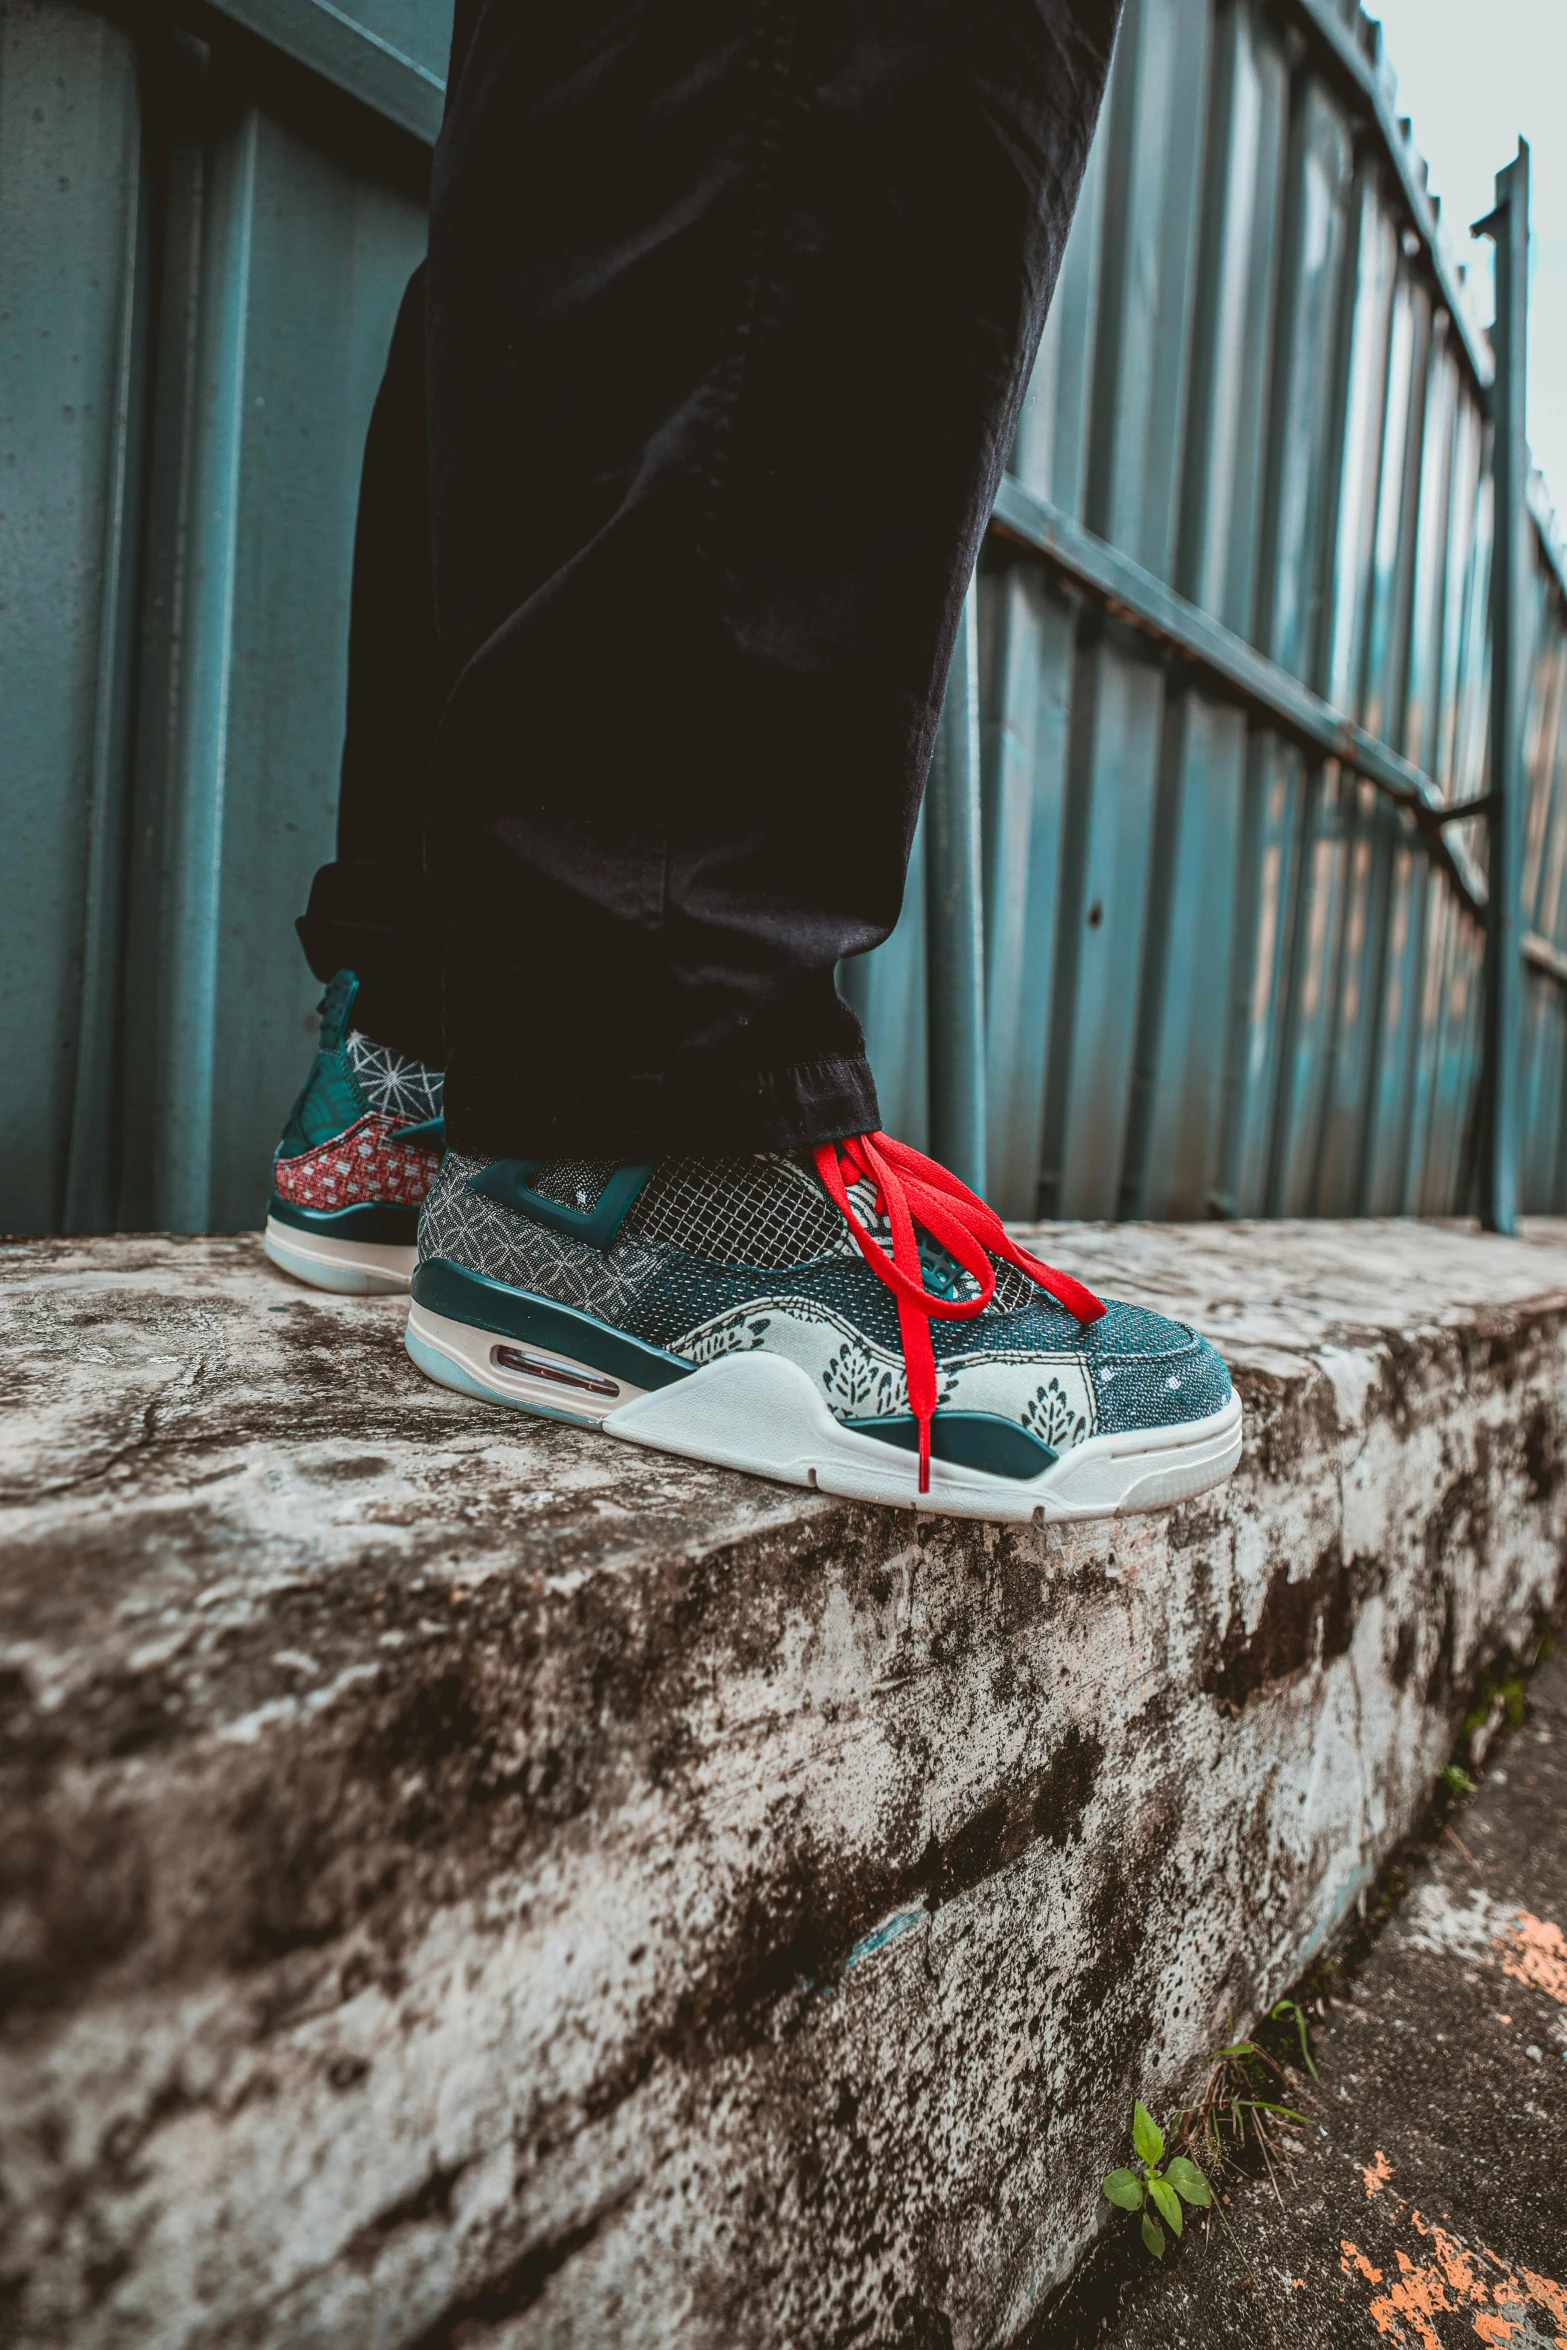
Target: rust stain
x,y
1534,1951
1376,2174
1450,2280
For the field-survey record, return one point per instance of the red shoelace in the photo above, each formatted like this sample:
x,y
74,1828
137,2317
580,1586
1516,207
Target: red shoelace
x,y
910,1190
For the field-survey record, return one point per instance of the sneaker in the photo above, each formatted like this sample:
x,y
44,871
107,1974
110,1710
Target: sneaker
x,y
359,1154
854,1319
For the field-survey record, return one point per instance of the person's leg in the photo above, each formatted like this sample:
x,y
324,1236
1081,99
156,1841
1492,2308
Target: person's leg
x,y
369,910
732,304
731,308
362,1144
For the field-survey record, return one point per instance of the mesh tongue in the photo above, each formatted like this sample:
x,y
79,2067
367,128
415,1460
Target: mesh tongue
x,y
573,1183
763,1210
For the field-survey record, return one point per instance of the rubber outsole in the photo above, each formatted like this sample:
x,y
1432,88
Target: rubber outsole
x,y
353,1268
761,1413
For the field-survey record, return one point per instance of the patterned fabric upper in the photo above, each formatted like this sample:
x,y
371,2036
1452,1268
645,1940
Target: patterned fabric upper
x,y
343,1146
715,1257
363,1166
407,1090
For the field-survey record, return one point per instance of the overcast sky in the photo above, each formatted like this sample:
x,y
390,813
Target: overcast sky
x,y
1475,78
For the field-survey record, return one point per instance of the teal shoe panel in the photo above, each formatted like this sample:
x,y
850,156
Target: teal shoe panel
x,y
445,1288
506,1181
330,1103
337,1008
969,1440
371,1220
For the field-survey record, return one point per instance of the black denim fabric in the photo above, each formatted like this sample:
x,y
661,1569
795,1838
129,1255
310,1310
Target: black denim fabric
x,y
731,306
370,910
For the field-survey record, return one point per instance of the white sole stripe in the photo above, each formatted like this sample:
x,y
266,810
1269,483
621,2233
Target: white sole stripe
x,y
351,1268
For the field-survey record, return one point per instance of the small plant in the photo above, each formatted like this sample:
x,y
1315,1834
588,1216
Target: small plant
x,y
1239,2105
1180,2181
1501,1702
1292,2007
1456,1780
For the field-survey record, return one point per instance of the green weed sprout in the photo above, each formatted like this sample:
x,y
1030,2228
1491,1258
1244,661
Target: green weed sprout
x,y
1292,2007
1180,2181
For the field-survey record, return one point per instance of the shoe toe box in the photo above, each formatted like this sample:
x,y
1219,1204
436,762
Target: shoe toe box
x,y
1150,1372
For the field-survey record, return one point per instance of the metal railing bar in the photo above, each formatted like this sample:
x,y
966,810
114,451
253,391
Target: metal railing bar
x,y
348,54
1501,1077
1124,589
1464,809
1551,960
954,918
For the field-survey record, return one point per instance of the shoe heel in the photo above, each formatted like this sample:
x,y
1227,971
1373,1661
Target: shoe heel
x,y
504,1370
350,1268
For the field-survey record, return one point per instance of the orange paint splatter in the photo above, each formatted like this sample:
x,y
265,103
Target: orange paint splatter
x,y
1534,1951
1453,2281
1458,2268
1418,2296
1552,2298
1376,2174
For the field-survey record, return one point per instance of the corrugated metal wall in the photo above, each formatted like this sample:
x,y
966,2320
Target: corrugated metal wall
x,y
1224,975
201,255
1161,955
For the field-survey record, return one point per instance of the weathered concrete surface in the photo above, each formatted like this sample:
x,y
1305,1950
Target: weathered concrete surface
x,y
1424,2206
467,1883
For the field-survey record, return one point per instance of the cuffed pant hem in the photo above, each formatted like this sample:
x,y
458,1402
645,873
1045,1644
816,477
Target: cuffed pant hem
x,y
370,919
693,1113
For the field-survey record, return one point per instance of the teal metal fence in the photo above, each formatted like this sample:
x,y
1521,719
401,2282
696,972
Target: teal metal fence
x,y
202,246
1193,927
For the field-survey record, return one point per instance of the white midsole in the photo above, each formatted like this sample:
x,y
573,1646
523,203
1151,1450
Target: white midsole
x,y
762,1413
354,1268
474,1361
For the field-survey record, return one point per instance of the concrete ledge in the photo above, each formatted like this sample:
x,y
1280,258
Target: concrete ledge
x,y
463,1885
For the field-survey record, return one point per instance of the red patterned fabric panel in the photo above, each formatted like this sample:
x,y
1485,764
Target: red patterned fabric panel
x,y
360,1165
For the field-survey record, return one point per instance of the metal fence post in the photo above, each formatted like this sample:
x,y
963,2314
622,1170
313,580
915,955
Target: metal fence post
x,y
954,918
1508,226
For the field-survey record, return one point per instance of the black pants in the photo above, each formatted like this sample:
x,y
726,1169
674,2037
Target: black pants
x,y
680,468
